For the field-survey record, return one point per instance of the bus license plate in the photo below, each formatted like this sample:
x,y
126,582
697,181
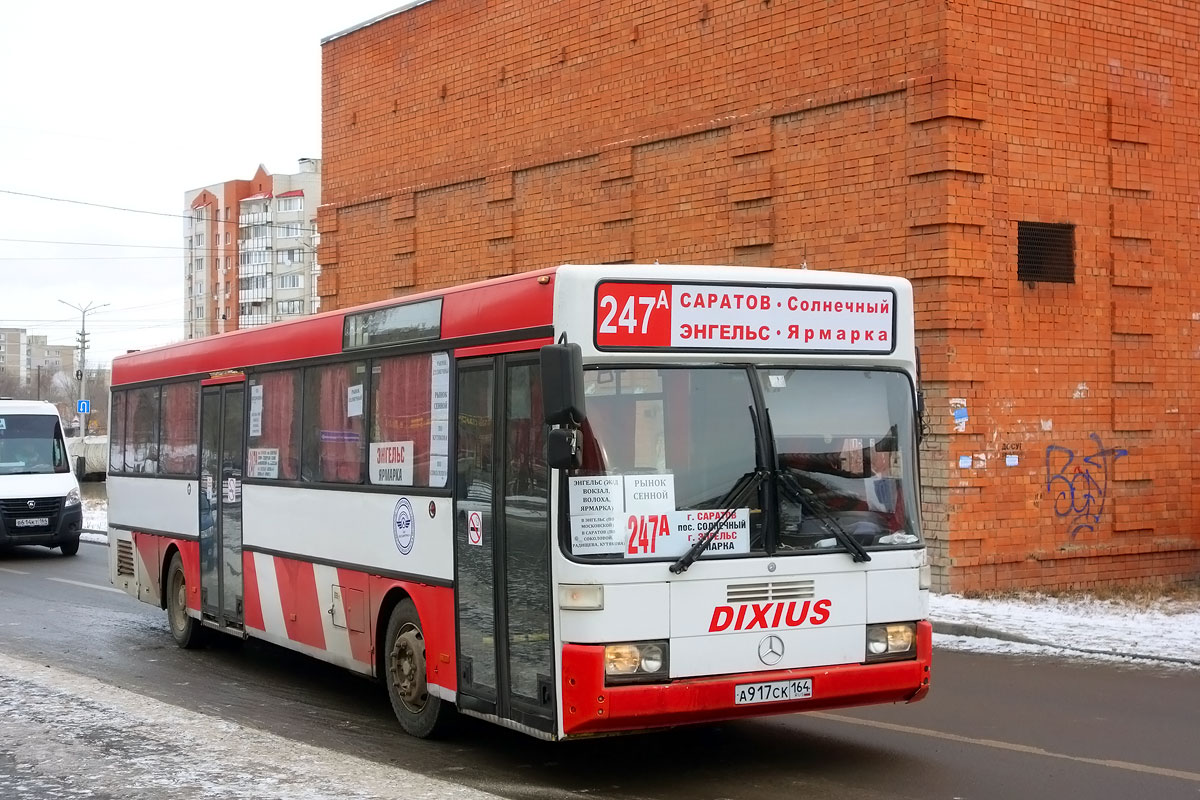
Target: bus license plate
x,y
33,522
772,692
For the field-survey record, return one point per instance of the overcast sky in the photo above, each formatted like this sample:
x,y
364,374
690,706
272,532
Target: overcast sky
x,y
132,103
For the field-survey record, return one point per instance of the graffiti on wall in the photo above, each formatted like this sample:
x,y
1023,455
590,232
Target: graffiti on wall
x,y
1079,486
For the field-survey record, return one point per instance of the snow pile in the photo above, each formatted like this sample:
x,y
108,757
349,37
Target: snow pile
x,y
95,514
1164,629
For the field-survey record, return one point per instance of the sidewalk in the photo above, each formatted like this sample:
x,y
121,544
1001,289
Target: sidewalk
x,y
1162,630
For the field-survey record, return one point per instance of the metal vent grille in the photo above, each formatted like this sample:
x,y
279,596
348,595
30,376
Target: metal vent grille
x,y
124,557
764,591
1045,252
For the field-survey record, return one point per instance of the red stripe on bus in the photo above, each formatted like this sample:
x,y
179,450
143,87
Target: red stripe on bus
x,y
222,379
151,555
298,599
251,601
355,598
152,549
503,347
435,607
189,551
591,707
488,307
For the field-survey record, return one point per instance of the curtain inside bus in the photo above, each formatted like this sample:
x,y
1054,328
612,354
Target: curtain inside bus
x,y
400,407
180,433
336,391
280,421
141,436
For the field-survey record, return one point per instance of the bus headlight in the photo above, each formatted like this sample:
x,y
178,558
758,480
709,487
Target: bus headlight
x,y
636,662
891,642
72,499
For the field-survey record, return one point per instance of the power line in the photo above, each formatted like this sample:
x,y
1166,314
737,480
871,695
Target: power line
x,y
115,310
204,250
122,208
90,258
96,244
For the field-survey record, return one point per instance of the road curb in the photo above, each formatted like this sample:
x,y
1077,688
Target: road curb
x,y
975,631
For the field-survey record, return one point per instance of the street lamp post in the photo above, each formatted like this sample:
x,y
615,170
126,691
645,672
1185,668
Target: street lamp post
x,y
83,343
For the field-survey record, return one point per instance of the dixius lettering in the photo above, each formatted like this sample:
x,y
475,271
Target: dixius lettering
x,y
751,616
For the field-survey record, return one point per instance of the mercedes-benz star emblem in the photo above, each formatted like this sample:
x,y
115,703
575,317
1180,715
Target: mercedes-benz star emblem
x,y
31,503
770,650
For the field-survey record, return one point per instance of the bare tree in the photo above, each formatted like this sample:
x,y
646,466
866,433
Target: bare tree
x,y
99,384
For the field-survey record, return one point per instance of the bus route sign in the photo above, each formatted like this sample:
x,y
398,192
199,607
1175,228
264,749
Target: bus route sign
x,y
815,319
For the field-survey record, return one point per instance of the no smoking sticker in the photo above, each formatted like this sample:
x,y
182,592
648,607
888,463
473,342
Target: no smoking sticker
x,y
475,529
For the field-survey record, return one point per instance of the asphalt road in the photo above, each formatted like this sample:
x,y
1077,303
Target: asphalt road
x,y
993,726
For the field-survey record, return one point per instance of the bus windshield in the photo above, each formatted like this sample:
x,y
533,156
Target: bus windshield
x,y
664,445
846,437
31,444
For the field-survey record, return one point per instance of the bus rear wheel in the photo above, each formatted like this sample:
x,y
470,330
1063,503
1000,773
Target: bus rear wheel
x,y
420,713
187,631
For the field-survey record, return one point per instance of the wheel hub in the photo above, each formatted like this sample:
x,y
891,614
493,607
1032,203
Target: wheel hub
x,y
408,669
179,603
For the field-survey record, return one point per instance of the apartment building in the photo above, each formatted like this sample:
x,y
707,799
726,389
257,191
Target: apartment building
x,y
251,250
51,357
14,354
29,364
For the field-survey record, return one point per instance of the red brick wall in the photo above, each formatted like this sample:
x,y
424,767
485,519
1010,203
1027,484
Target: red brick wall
x,y
463,142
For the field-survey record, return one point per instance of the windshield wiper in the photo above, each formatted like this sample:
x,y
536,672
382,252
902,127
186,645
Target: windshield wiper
x,y
808,499
732,501
742,491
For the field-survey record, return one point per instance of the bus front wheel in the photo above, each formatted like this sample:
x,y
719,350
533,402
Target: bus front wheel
x,y
187,631
420,713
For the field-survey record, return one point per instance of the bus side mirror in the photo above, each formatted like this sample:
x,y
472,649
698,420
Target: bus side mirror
x,y
920,401
563,450
562,384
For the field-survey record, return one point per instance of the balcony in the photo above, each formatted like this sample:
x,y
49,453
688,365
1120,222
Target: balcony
x,y
254,295
256,243
253,320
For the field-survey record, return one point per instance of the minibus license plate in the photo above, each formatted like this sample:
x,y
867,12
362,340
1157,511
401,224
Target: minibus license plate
x,y
33,522
772,692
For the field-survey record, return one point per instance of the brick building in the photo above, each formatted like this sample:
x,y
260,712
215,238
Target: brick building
x,y
1032,167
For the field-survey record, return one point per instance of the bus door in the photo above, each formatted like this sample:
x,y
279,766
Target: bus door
x,y
502,543
221,421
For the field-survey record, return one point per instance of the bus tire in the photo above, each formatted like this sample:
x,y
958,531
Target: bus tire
x,y
187,631
420,713
70,548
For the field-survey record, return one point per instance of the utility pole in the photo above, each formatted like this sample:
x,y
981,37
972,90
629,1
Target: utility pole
x,y
83,344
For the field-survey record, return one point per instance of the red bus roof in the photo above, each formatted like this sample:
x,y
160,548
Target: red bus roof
x,y
512,303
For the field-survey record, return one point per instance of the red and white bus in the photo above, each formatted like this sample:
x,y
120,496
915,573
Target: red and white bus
x,y
583,500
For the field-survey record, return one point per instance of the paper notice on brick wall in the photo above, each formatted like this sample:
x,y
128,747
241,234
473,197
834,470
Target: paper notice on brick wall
x,y
958,410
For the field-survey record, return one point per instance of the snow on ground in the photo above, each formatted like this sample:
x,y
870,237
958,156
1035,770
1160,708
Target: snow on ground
x,y
65,735
95,520
95,514
1167,630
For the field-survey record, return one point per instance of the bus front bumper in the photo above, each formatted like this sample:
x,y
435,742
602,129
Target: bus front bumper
x,y
65,526
590,707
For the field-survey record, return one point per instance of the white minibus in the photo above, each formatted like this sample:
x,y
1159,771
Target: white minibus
x,y
39,496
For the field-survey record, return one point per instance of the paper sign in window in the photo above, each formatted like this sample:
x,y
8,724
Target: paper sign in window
x,y
392,463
